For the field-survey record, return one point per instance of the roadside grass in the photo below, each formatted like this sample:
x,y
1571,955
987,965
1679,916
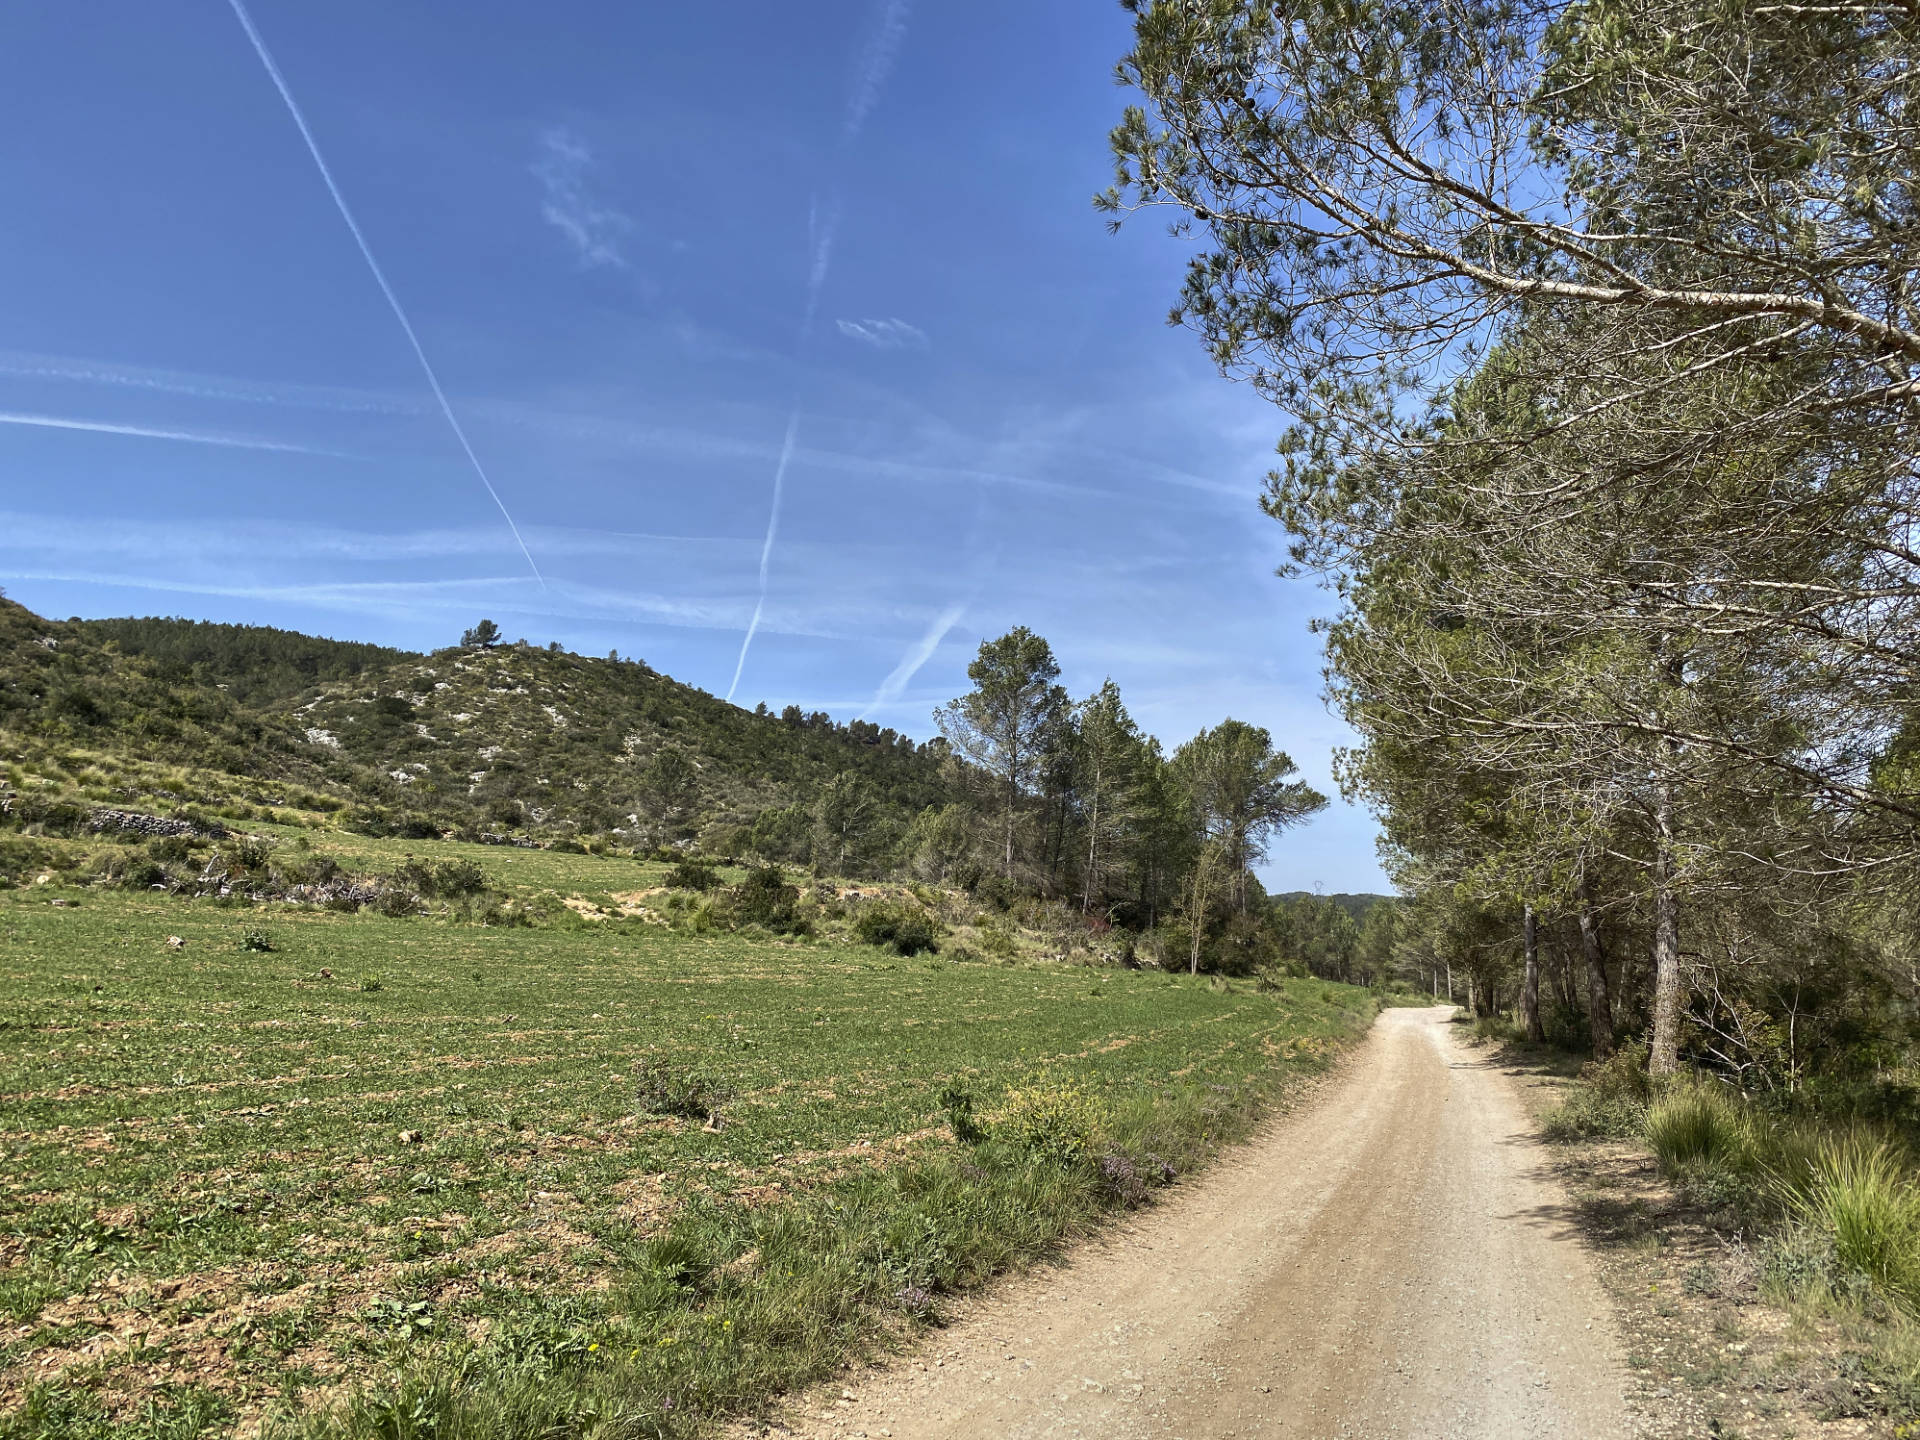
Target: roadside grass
x,y
398,1177
1817,1213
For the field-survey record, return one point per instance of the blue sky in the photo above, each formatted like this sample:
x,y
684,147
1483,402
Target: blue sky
x,y
649,250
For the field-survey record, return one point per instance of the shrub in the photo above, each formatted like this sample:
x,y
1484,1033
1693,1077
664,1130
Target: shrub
x,y
1699,1124
668,1087
139,873
450,879
907,930
995,890
251,854
693,875
171,849
1609,1102
1052,1119
1588,1115
257,942
957,1101
1621,1076
998,942
459,878
370,983
1863,1200
765,898
396,903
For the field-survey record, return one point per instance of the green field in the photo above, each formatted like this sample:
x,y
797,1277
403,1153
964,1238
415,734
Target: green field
x,y
394,1167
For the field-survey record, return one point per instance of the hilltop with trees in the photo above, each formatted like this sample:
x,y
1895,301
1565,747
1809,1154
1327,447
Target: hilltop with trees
x,y
1027,796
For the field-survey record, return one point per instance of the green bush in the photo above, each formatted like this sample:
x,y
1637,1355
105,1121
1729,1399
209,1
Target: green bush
x,y
138,873
957,1101
171,849
1586,1115
670,1087
907,930
1608,1102
765,898
693,875
999,942
459,878
1699,1124
257,942
450,879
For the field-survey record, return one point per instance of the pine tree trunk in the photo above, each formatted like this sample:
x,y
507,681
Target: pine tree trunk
x,y
1599,1003
1011,790
1530,996
1093,846
1665,1058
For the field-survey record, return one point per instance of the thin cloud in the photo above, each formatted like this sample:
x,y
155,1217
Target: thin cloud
x,y
892,334
69,370
917,655
594,230
821,229
152,432
379,275
766,546
873,64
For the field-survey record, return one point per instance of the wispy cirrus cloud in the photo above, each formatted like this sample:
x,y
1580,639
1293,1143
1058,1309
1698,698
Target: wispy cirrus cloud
x,y
886,34
595,230
156,432
890,334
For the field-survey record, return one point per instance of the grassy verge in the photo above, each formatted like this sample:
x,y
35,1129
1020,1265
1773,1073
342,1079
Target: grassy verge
x,y
1766,1260
419,1177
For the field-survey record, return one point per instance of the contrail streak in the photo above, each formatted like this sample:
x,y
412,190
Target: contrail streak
x,y
918,655
766,546
875,63
194,437
366,252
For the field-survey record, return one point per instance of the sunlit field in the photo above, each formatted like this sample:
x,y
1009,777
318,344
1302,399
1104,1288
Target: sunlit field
x,y
259,1182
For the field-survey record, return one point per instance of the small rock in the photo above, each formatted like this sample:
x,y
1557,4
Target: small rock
x,y
410,1137
326,974
174,942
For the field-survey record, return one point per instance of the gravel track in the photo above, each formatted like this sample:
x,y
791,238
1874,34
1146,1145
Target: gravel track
x,y
1393,1259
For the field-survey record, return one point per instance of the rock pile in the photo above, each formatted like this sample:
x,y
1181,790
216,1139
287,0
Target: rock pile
x,y
105,821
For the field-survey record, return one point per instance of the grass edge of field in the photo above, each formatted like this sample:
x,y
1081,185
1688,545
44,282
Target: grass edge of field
x,y
731,1308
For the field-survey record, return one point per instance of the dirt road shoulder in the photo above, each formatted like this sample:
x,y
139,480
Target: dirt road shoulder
x,y
1393,1259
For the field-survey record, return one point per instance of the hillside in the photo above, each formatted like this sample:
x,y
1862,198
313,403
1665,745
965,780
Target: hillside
x,y
1356,905
509,741
255,664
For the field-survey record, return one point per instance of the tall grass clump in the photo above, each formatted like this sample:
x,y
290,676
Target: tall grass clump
x,y
1697,1125
1861,1198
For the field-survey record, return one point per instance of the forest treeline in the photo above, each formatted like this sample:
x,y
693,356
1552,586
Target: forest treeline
x,y
1596,327
1027,794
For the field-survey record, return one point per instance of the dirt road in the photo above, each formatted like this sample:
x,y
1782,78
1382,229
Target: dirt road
x,y
1389,1261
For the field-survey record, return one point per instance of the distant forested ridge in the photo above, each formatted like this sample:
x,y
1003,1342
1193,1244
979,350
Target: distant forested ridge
x,y
1027,796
